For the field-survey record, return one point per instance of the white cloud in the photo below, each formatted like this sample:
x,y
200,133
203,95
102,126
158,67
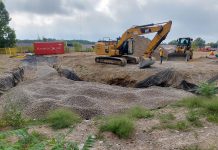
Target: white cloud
x,y
95,19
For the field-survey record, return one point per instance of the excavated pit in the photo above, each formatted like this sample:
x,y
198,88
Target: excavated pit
x,y
126,81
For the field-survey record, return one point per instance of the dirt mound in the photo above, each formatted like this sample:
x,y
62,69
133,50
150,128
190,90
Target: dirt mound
x,y
89,99
140,45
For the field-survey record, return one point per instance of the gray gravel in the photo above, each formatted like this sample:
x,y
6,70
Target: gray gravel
x,y
35,97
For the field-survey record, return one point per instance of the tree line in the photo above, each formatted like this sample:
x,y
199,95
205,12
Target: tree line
x,y
198,43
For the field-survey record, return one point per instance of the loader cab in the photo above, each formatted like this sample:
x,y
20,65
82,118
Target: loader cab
x,y
184,42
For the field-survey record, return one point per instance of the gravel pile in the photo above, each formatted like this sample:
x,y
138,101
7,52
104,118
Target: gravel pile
x,y
36,97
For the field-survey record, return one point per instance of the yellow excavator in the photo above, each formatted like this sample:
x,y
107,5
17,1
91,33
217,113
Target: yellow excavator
x,y
120,52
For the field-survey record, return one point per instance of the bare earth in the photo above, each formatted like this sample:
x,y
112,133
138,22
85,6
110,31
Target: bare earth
x,y
43,90
195,71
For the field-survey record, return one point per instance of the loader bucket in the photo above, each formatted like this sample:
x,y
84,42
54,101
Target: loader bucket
x,y
146,62
176,57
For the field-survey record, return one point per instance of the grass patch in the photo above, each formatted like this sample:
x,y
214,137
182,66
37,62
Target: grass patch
x,y
167,121
140,112
202,106
36,141
122,126
62,118
192,102
194,119
212,118
180,126
164,118
24,140
12,116
192,147
207,89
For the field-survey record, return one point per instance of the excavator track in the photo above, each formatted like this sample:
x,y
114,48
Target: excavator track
x,y
131,59
111,60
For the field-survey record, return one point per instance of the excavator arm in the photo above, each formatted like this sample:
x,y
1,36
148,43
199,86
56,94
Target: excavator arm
x,y
162,30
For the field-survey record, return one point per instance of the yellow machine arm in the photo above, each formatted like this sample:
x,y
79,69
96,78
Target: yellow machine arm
x,y
162,30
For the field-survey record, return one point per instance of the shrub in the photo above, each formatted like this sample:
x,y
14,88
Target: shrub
x,y
122,126
207,89
62,118
12,116
140,112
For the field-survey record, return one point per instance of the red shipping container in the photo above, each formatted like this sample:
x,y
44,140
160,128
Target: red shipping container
x,y
48,48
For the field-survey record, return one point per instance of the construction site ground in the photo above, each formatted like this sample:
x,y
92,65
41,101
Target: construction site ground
x,y
197,70
109,89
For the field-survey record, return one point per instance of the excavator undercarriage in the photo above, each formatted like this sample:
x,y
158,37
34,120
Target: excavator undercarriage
x,y
122,61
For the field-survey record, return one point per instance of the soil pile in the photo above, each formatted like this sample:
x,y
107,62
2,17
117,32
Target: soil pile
x,y
140,45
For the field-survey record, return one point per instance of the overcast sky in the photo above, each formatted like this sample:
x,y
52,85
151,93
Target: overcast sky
x,y
95,19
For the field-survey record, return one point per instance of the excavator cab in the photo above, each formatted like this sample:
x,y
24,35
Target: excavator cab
x,y
127,47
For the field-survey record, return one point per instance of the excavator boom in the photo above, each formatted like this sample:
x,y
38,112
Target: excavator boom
x,y
162,32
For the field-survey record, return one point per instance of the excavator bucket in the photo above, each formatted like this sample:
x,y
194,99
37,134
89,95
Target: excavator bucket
x,y
146,62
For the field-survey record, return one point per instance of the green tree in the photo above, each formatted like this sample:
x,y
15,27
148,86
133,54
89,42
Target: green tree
x,y
213,45
199,42
44,39
77,46
7,34
173,42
